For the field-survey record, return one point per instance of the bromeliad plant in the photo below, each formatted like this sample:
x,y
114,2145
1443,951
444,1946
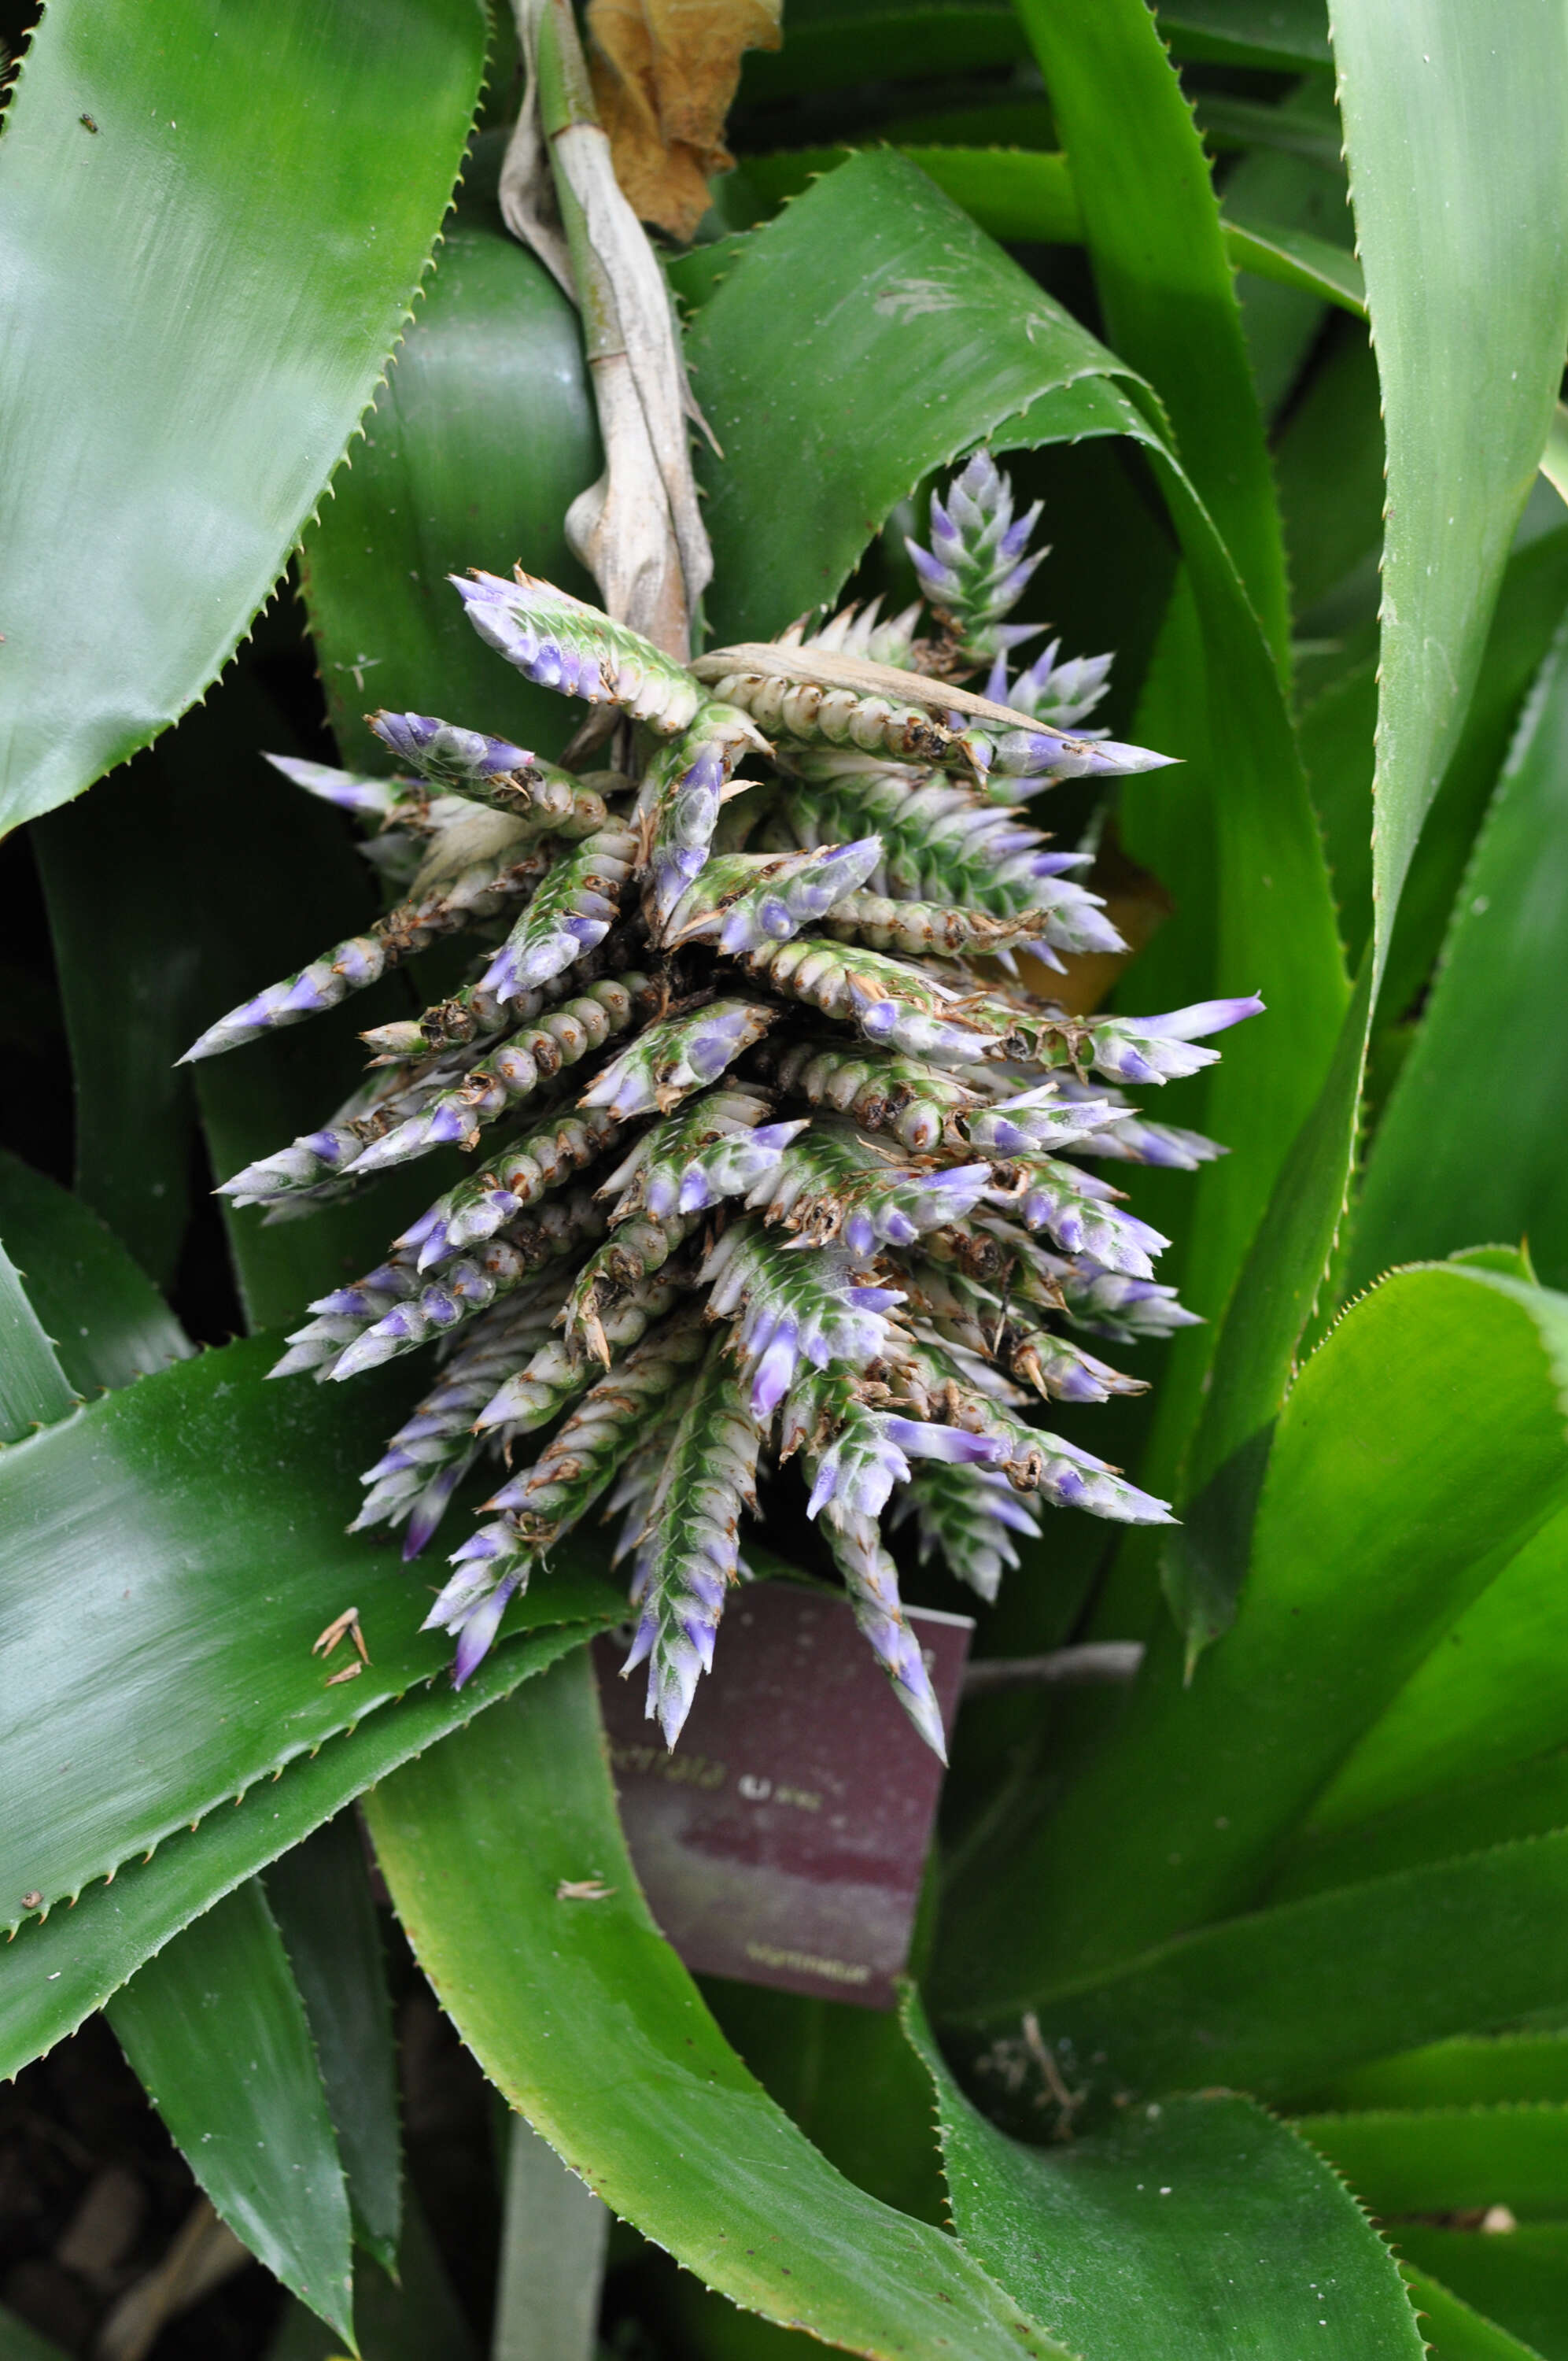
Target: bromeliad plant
x,y
758,1130
782,1167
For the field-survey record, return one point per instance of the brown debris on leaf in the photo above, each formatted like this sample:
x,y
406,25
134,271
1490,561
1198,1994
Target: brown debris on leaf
x,y
664,74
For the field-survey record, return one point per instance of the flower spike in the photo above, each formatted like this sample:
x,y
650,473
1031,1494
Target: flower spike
x,y
766,1162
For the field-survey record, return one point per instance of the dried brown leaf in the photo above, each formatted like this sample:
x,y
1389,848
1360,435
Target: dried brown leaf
x,y
664,74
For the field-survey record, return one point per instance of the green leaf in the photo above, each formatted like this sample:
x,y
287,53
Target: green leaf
x,y
319,1893
1463,447
1526,1799
1337,733
1463,2072
21,2342
588,2022
840,43
1388,1459
480,439
837,46
1489,1699
417,2318
846,2076
1442,1174
1442,2159
60,1970
1302,125
1286,181
108,1322
215,2030
170,1553
1249,32
1530,606
1470,331
106,876
1518,2279
1458,2332
1277,2001
1294,257
1329,465
1160,267
1029,197
1199,2226
876,326
212,357
130,881
32,1387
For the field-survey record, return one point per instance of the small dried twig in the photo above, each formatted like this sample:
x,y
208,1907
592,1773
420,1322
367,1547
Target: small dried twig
x,y
1097,1663
344,1625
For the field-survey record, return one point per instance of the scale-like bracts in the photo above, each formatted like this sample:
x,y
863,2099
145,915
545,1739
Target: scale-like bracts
x,y
770,1161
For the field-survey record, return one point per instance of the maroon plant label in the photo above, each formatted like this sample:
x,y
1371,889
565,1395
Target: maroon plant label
x,y
784,1840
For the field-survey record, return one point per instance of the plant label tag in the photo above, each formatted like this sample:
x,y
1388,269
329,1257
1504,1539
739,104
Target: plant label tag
x,y
784,1840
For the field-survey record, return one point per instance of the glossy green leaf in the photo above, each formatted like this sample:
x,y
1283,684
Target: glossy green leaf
x,y
1461,448
34,1390
1337,733
1199,2226
212,357
1309,133
1389,1460
1488,1163
216,2031
846,273
847,2077
58,1971
171,1554
1526,1799
1483,2070
1455,2330
107,1321
417,2318
480,439
320,1896
1518,2279
1329,461
1164,280
1296,259
1288,182
1530,606
105,876
588,2022
1470,331
1441,2160
1279,2000
1027,197
1489,1698
875,326
130,878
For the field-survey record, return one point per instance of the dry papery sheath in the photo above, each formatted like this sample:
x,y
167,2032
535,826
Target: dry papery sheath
x,y
762,1169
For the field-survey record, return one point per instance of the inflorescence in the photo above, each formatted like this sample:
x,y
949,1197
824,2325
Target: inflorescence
x,y
763,1167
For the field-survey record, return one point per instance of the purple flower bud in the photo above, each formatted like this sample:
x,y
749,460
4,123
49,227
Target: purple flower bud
x,y
955,1445
443,751
860,1233
431,1506
476,1635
